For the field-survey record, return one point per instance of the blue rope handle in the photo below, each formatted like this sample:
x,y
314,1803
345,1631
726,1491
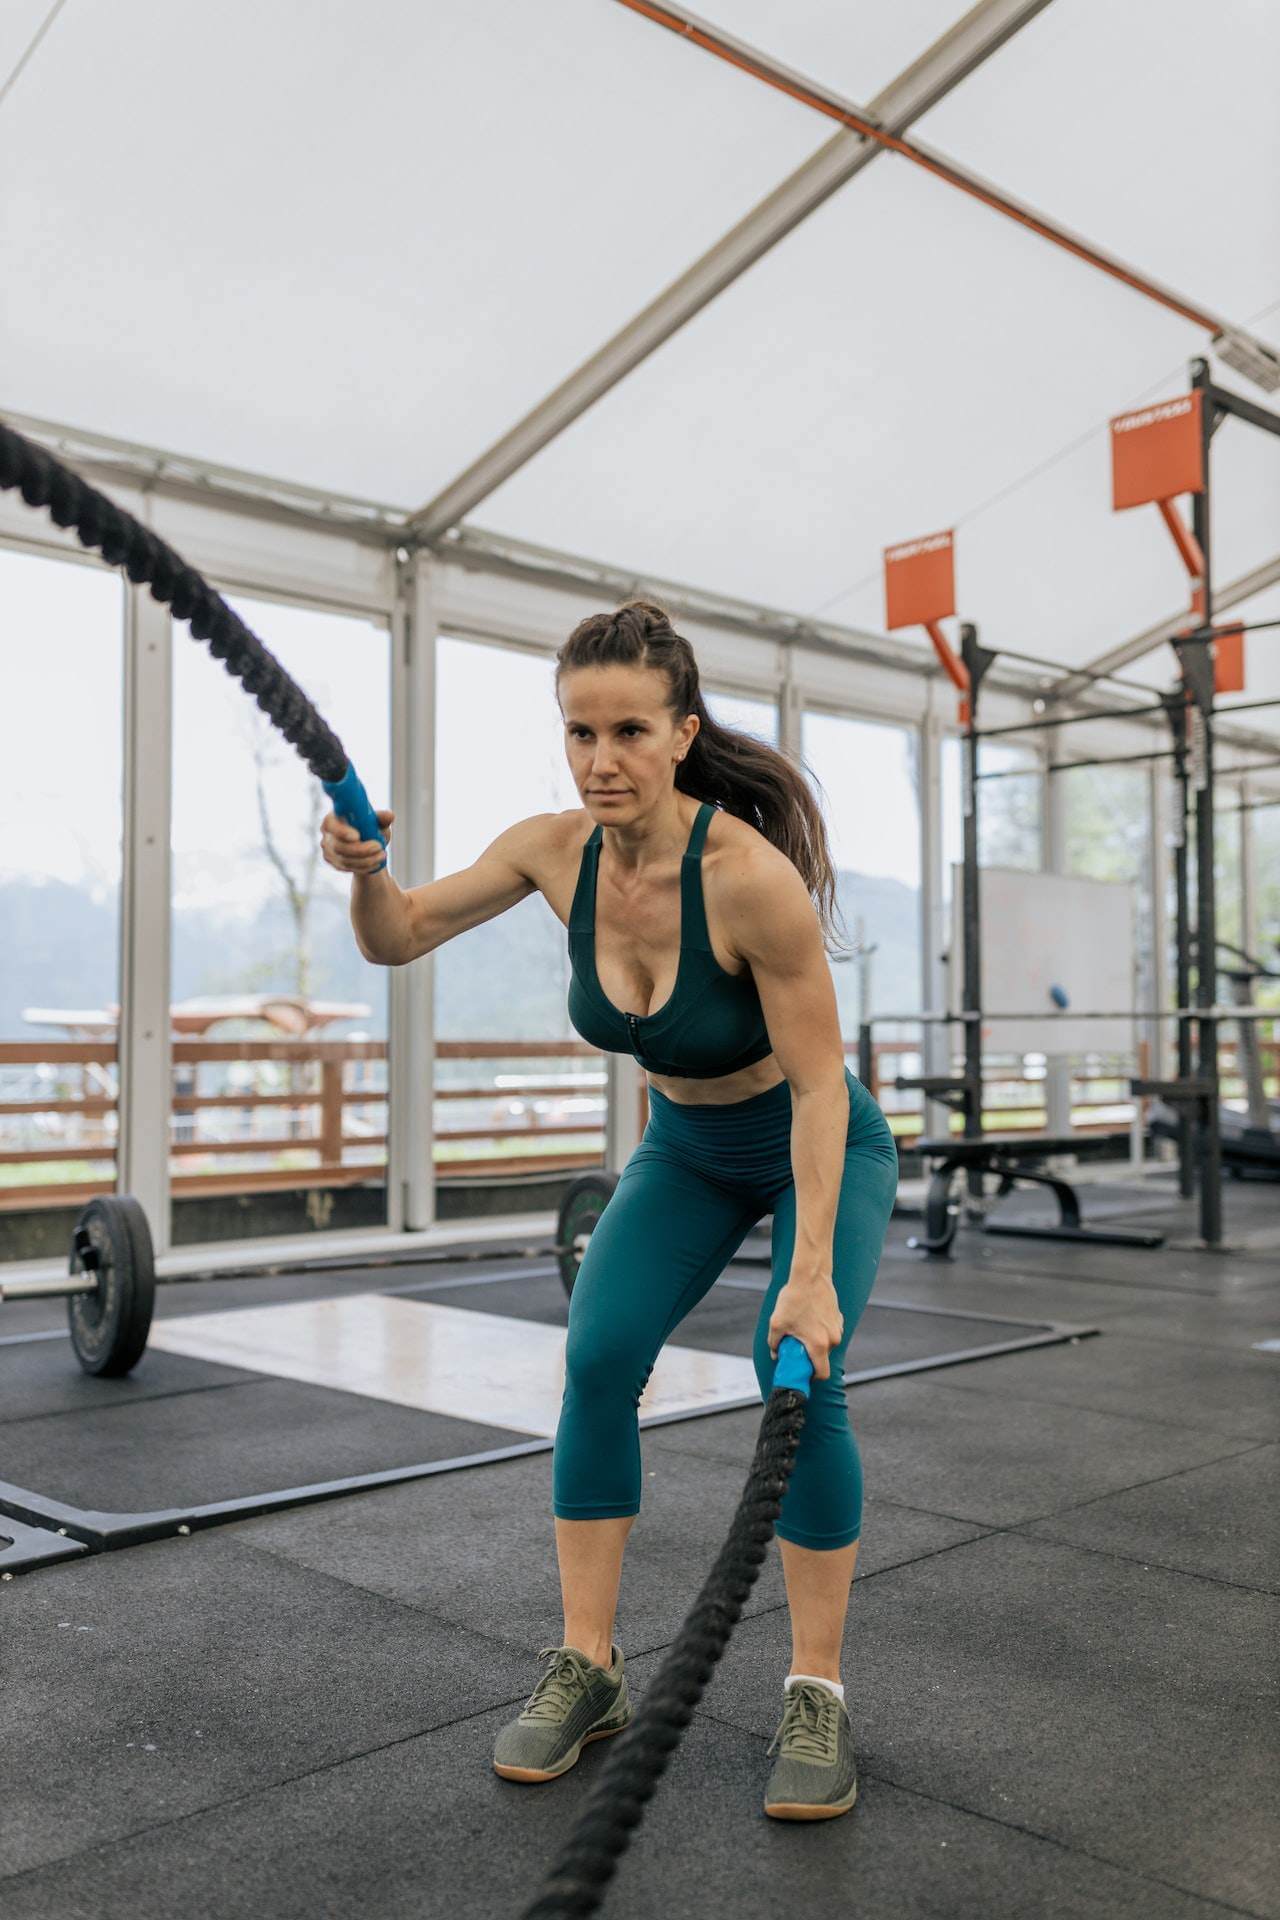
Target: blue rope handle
x,y
794,1368
352,804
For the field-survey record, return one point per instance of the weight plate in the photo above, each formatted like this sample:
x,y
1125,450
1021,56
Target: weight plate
x,y
109,1326
585,1200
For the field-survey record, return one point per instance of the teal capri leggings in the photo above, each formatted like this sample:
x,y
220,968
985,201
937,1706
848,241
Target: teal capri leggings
x,y
700,1179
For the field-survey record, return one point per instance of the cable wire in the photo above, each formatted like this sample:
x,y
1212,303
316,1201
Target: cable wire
x,y
1034,473
40,33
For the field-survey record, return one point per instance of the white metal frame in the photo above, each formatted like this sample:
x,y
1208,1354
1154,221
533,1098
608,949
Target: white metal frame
x,y
146,1079
411,1049
972,39
299,545
511,599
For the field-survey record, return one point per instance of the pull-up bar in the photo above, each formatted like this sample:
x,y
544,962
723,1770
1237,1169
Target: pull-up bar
x,y
1054,1016
1120,713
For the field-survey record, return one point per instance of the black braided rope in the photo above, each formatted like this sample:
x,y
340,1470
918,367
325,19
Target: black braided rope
x,y
637,1758
44,481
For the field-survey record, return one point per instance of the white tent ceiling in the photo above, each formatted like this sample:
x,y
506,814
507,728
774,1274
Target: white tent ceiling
x,y
352,246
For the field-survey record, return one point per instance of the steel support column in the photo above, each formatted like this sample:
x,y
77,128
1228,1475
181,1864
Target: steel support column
x,y
1197,659
146,1083
1053,849
935,1051
411,1052
1159,847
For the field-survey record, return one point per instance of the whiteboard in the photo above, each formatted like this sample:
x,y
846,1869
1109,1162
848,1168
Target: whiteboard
x,y
1041,930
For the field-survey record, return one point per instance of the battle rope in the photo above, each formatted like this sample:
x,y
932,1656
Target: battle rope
x,y
637,1759
44,481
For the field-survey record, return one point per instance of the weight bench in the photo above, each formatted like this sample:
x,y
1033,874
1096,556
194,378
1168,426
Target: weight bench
x,y
1008,1156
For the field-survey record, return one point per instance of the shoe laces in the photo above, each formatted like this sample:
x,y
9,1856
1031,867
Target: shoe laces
x,y
558,1688
810,1724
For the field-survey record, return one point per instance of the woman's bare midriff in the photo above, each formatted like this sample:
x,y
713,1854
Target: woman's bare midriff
x,y
720,1092
637,940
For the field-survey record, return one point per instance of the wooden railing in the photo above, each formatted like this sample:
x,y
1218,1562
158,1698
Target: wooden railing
x,y
316,1115
329,1127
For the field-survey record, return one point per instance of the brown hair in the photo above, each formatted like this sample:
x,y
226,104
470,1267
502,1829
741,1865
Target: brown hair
x,y
743,775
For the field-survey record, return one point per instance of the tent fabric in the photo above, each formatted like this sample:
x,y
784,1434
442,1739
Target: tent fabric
x,y
352,248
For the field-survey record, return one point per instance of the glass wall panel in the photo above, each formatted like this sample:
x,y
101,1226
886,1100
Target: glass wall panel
x,y
517,1091
1227,887
1010,824
1010,834
759,717
60,872
869,776
1106,814
1266,882
1266,887
279,1027
1228,891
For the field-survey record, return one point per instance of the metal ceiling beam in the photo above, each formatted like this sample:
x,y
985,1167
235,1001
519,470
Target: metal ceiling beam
x,y
1128,651
1239,349
257,497
973,39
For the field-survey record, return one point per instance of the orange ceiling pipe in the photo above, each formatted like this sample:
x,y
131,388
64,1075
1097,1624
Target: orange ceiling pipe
x,y
1189,548
748,62
955,669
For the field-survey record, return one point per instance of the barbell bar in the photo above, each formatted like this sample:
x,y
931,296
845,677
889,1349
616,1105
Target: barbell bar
x,y
111,1281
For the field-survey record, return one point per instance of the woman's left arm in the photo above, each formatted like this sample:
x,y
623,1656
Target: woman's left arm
x,y
774,926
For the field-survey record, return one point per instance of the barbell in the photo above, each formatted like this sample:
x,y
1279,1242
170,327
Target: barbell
x,y
110,1286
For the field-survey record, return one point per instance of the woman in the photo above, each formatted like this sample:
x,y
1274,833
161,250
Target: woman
x,y
697,887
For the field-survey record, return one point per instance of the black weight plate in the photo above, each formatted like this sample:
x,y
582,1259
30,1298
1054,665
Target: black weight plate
x,y
584,1201
109,1326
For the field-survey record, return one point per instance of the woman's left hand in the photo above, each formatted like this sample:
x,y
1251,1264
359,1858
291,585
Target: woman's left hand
x,y
810,1310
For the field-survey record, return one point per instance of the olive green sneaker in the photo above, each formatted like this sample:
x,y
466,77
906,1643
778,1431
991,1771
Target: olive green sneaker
x,y
574,1702
815,1777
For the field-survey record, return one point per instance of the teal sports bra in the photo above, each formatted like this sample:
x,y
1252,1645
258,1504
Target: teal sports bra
x,y
711,1025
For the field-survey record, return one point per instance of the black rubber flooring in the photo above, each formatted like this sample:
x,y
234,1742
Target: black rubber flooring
x,y
1061,1657
181,1433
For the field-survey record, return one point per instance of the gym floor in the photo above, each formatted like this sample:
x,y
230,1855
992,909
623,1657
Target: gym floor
x,y
1060,1658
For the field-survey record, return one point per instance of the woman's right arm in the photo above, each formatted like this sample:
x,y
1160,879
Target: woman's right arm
x,y
393,926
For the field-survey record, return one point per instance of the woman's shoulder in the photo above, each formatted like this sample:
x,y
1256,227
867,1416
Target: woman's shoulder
x,y
564,835
551,830
542,844
726,833
744,873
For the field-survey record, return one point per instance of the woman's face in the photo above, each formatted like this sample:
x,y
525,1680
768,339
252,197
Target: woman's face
x,y
621,739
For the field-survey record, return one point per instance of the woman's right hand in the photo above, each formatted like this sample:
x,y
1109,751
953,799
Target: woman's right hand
x,y
343,848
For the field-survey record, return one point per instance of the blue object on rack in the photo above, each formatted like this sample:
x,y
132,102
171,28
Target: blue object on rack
x,y
794,1368
351,803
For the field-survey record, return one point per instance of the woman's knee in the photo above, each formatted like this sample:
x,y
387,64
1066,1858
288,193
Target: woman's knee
x,y
600,1366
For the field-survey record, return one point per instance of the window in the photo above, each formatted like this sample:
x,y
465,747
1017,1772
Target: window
x,y
759,717
869,776
279,1025
1010,829
516,1089
59,897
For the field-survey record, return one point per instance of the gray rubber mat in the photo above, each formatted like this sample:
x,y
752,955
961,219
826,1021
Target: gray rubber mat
x,y
725,1321
191,1441
212,1435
